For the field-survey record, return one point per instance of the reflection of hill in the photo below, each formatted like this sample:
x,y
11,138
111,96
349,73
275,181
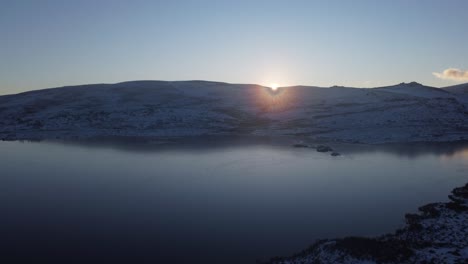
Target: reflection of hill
x,y
198,144
412,150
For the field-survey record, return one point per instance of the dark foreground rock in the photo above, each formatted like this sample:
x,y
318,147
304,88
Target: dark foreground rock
x,y
437,234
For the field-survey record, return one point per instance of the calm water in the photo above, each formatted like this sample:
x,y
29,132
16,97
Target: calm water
x,y
208,201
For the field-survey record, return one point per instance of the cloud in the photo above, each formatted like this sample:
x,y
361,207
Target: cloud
x,y
452,74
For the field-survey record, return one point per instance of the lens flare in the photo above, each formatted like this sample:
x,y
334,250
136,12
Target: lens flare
x,y
273,98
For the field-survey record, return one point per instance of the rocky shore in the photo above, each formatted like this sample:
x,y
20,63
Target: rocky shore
x,y
438,233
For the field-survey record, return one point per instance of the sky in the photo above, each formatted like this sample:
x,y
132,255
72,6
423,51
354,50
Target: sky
x,y
51,43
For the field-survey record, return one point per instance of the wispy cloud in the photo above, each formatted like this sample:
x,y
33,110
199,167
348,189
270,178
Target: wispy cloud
x,y
452,74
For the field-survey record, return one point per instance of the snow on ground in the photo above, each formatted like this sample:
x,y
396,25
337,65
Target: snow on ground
x,y
404,112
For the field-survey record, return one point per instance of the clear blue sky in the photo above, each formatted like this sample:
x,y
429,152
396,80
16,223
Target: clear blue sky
x,y
52,43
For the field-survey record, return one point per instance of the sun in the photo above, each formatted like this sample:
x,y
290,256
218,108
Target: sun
x,y
274,86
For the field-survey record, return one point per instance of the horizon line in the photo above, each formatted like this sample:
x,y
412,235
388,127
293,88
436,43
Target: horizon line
x,y
222,82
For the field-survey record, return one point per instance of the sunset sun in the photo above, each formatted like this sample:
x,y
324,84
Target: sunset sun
x,y
274,86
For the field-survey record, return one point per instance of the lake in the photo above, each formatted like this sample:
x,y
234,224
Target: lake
x,y
208,200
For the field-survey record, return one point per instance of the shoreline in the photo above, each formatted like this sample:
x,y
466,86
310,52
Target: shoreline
x,y
141,137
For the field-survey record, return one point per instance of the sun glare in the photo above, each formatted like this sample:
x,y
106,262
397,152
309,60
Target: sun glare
x,y
274,86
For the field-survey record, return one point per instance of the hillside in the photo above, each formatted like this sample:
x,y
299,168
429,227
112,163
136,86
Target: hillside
x,y
400,113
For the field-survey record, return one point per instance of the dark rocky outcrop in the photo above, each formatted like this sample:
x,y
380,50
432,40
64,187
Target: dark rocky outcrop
x,y
323,148
437,234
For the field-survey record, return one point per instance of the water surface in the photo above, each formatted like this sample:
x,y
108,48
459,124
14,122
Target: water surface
x,y
208,201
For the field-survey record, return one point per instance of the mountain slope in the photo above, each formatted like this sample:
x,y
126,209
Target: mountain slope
x,y
405,112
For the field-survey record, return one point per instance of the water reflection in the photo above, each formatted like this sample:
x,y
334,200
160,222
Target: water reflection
x,y
208,143
413,150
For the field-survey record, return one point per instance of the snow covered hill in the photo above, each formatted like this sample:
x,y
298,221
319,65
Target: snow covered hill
x,y
400,113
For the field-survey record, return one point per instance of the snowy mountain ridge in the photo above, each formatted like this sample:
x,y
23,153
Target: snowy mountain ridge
x,y
406,112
